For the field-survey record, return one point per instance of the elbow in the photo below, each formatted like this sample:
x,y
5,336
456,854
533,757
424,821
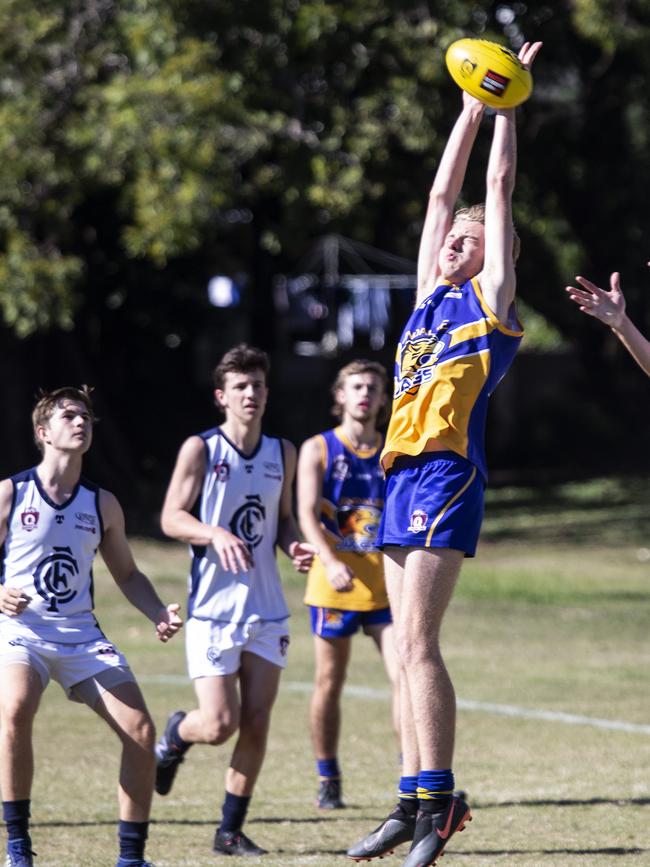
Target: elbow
x,y
167,524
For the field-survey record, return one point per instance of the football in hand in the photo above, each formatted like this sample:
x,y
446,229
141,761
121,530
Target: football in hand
x,y
490,72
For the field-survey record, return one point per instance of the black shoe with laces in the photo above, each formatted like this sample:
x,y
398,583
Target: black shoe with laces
x,y
433,831
19,853
398,827
234,843
329,795
168,757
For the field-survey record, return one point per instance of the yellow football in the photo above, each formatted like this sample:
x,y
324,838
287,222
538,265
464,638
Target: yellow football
x,y
489,71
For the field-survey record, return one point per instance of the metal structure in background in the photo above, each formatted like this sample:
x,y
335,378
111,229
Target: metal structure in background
x,y
341,294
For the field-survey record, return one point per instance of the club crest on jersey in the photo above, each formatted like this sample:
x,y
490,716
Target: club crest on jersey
x,y
53,577
248,521
358,525
284,645
29,518
418,521
222,471
416,358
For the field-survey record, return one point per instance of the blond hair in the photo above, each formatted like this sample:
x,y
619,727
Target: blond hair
x,y
476,214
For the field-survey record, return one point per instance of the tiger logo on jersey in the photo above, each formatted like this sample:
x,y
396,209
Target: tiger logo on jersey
x,y
358,525
416,358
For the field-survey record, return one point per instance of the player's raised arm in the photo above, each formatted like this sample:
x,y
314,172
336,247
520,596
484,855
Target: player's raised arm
x,y
445,191
498,281
310,488
609,308
301,553
178,521
137,588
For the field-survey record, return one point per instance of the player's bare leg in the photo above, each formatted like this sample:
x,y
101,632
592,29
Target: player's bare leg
x,y
124,710
383,634
429,578
258,683
218,714
427,581
331,657
20,694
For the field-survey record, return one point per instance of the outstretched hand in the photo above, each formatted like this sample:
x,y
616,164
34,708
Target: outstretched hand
x,y
528,52
608,307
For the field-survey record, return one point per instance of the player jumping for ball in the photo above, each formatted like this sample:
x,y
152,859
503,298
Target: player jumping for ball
x,y
457,345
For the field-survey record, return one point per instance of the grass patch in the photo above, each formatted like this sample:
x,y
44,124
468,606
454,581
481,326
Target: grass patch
x,y
542,620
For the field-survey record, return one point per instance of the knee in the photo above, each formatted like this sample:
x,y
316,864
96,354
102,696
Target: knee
x,y
142,733
15,716
217,730
414,649
255,725
328,682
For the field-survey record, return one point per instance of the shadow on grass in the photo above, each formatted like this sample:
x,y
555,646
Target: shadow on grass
x,y
563,802
99,823
594,511
345,816
493,853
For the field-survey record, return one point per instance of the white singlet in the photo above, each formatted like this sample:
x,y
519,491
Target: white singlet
x,y
241,494
48,554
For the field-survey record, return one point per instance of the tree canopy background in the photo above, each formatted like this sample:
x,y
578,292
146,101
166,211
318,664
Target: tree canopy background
x,y
147,145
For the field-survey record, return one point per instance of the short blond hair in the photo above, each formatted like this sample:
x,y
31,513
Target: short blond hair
x,y
49,401
476,214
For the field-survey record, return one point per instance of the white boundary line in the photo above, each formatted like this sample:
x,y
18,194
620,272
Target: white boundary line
x,y
511,710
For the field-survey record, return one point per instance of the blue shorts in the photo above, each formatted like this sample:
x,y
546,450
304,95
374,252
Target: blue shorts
x,y
334,623
433,500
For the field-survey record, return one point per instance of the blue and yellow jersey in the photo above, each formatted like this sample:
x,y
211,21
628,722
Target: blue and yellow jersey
x,y
352,501
453,353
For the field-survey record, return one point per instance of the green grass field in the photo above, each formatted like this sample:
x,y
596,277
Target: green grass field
x,y
551,619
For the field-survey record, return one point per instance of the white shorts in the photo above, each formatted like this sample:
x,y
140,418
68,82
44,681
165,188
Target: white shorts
x,y
215,648
84,671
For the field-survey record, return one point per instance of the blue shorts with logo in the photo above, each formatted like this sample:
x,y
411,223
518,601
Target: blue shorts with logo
x,y
433,500
335,623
